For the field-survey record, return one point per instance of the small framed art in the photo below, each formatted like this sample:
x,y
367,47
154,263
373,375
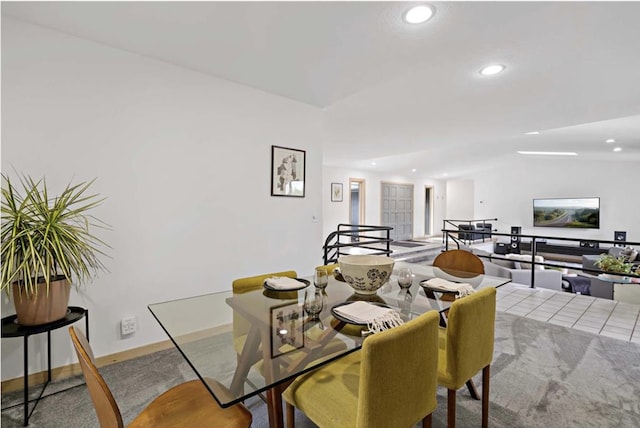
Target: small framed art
x,y
287,171
336,192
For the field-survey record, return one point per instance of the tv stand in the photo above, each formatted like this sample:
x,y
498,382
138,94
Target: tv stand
x,y
557,251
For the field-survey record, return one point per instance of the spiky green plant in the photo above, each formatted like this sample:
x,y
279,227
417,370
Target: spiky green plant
x,y
610,263
46,238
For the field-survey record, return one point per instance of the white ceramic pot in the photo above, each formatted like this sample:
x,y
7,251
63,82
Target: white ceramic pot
x,y
366,273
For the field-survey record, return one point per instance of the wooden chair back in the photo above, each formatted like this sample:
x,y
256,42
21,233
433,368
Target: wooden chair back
x,y
105,405
459,260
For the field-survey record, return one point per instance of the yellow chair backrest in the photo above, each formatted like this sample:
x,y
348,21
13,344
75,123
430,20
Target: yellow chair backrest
x,y
470,335
398,374
329,268
244,285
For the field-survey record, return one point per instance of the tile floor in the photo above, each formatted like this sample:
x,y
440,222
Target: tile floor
x,y
600,316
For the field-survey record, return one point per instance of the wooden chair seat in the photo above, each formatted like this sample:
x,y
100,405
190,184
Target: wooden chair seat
x,y
190,405
184,406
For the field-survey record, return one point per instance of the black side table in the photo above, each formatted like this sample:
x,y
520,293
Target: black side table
x,y
12,329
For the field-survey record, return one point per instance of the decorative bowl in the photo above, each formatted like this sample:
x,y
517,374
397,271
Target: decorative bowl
x,y
366,273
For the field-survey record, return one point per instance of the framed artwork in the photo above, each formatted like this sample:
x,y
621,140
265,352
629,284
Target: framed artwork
x,y
287,171
336,192
287,333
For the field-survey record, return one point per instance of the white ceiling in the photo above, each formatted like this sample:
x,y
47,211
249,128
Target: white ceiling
x,y
404,96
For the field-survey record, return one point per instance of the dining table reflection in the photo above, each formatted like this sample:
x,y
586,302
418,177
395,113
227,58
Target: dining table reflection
x,y
283,341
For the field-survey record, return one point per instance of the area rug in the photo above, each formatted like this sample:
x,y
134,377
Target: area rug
x,y
543,375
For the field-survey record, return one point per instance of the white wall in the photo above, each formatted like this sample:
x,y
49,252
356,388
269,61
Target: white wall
x,y
508,192
460,195
184,160
335,213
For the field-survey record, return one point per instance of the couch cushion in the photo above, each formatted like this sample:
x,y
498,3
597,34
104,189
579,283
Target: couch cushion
x,y
521,259
509,264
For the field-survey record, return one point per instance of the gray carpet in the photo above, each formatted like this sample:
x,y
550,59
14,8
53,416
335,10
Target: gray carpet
x,y
542,376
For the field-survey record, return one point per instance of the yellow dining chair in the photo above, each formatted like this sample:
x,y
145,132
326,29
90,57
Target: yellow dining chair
x,y
466,347
390,382
186,405
459,260
329,268
241,326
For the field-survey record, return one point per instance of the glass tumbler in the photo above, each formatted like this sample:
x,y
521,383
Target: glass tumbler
x,y
405,278
320,278
313,303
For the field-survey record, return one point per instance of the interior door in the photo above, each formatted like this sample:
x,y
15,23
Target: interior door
x,y
397,210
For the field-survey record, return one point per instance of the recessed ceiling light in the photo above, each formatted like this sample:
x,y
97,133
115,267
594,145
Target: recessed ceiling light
x,y
610,140
444,174
532,133
492,69
373,164
413,170
419,14
548,153
617,149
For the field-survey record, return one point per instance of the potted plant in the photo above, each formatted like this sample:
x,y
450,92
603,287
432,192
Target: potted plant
x,y
47,244
613,265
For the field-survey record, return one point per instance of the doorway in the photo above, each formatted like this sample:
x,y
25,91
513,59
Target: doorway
x,y
428,211
356,202
397,210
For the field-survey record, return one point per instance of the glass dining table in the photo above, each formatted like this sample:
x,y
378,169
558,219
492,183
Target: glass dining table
x,y
242,345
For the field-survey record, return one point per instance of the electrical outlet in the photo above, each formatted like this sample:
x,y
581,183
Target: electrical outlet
x,y
128,325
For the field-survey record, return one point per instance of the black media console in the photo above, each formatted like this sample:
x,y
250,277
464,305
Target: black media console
x,y
569,250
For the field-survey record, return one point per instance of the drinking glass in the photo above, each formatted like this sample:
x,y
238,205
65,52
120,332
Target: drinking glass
x,y
313,303
320,278
405,278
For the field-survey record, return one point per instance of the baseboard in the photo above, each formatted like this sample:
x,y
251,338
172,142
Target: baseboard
x,y
64,372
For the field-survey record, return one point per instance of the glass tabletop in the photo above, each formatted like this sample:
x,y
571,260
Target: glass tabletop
x,y
242,344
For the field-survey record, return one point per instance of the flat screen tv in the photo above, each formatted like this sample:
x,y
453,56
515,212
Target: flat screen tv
x,y
580,213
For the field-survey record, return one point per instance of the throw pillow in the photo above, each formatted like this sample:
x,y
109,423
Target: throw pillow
x,y
496,259
629,253
521,259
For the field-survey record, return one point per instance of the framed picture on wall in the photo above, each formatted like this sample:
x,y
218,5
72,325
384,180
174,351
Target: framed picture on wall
x,y
287,172
336,192
286,329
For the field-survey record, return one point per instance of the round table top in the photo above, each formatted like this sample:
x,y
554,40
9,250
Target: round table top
x,y
10,328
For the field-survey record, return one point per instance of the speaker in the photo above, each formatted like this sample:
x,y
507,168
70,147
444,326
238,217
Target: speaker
x,y
514,245
501,248
619,235
589,244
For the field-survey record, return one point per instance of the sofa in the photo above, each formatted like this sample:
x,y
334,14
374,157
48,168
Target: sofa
x,y
589,261
600,288
470,232
515,267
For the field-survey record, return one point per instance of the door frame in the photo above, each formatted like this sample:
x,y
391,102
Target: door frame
x,y
431,200
361,213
